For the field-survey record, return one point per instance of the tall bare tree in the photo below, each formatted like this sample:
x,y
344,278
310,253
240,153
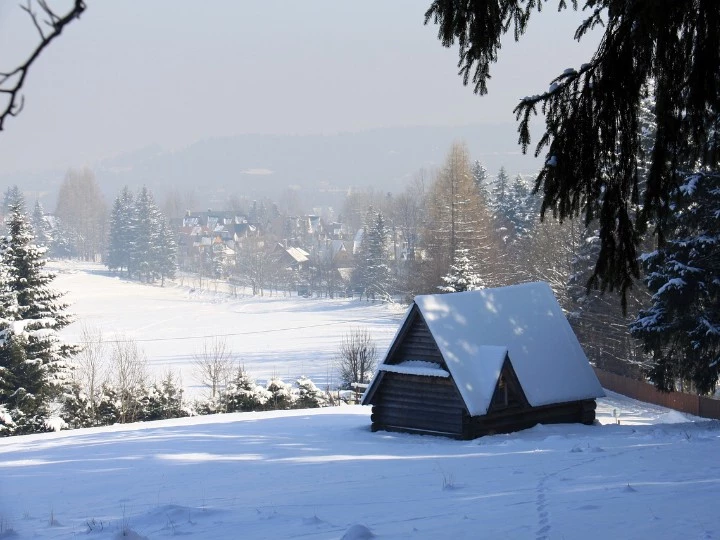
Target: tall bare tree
x,y
214,365
128,373
458,221
91,369
81,208
357,357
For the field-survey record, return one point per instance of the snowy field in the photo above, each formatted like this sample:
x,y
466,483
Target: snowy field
x,y
274,336
323,473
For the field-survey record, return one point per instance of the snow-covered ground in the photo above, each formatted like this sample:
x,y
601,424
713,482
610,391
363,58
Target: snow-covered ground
x,y
323,473
274,336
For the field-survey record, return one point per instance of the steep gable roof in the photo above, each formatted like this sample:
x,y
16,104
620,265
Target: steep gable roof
x,y
477,331
472,329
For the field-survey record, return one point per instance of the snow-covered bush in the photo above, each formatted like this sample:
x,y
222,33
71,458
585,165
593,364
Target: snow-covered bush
x,y
243,394
77,409
309,396
281,395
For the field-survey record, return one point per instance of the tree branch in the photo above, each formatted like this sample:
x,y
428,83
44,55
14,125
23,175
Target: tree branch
x,y
11,83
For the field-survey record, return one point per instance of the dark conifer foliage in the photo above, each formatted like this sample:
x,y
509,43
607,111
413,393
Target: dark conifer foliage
x,y
681,329
121,231
372,276
591,138
141,240
33,361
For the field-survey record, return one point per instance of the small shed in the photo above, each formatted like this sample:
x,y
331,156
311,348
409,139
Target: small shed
x,y
480,362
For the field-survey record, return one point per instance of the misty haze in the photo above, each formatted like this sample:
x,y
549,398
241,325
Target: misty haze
x,y
391,269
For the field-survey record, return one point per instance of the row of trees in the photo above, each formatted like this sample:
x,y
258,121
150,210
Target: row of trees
x,y
111,385
456,230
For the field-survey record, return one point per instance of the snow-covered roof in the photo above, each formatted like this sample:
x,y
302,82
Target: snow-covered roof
x,y
299,255
476,379
475,329
415,367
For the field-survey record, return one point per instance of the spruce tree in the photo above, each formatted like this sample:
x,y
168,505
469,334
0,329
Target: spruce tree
x,y
243,394
681,329
122,225
462,275
519,209
145,246
500,194
309,395
11,197
34,362
481,179
372,273
43,236
167,252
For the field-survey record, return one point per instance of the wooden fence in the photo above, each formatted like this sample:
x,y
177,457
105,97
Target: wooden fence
x,y
688,403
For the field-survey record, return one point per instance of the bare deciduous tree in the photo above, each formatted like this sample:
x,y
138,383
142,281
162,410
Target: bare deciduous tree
x,y
82,209
357,357
91,365
214,364
128,374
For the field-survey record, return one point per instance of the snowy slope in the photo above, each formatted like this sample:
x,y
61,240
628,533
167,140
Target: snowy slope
x,y
316,474
322,473
271,336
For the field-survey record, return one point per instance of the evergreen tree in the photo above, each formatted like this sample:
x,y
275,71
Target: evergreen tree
x,y
167,252
43,236
146,238
242,394
501,205
519,209
162,400
11,197
281,395
462,275
24,391
591,114
481,179
77,408
499,193
309,395
372,273
122,222
681,329
33,362
37,306
141,234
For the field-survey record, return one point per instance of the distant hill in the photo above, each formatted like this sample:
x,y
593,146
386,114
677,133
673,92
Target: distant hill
x,y
319,165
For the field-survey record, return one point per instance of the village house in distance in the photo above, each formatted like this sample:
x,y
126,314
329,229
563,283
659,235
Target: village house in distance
x,y
474,363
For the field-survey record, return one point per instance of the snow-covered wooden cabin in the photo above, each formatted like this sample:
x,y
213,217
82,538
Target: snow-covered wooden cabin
x,y
490,361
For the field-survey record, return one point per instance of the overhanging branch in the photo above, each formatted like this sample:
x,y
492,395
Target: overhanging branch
x,y
11,82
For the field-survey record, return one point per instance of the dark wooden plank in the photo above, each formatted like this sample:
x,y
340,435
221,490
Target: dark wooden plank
x,y
411,419
413,402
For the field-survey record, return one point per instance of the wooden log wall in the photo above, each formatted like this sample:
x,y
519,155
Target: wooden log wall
x,y
417,344
411,402
517,419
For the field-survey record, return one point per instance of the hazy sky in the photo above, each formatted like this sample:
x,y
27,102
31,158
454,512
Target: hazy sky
x,y
132,73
